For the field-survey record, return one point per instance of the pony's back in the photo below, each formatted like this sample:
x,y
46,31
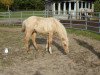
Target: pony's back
x,y
27,22
47,24
40,24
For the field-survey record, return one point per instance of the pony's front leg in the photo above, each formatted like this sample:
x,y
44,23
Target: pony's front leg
x,y
33,40
49,43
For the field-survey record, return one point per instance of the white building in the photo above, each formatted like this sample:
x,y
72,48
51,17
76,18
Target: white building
x,y
64,8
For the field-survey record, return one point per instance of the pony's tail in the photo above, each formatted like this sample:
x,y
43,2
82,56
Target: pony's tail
x,y
23,27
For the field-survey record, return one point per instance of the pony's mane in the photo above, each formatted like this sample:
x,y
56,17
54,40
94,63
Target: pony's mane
x,y
60,29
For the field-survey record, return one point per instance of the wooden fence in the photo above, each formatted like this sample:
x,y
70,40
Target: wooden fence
x,y
83,22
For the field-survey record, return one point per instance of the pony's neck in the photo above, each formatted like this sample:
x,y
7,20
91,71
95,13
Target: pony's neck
x,y
62,33
60,29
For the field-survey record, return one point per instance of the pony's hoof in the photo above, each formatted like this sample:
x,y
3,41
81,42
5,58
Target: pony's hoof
x,y
66,52
46,49
50,52
28,51
36,49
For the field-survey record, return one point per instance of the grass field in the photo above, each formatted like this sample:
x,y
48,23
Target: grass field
x,y
85,33
21,14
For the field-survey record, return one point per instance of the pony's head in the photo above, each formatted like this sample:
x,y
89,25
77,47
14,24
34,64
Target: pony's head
x,y
65,45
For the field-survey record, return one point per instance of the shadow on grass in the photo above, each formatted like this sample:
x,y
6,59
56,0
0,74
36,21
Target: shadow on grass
x,y
89,47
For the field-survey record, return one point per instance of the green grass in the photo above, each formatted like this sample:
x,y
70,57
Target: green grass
x,y
87,33
11,26
23,14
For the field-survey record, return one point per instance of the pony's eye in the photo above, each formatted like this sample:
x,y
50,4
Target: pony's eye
x,y
64,44
63,39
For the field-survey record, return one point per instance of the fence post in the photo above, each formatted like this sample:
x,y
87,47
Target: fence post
x,y
99,16
45,13
21,16
86,20
70,16
9,14
9,17
99,22
99,27
33,13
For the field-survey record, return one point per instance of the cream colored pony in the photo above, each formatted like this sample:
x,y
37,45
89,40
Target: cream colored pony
x,y
34,25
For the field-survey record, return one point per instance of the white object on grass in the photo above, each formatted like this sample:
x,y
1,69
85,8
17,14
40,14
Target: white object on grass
x,y
6,50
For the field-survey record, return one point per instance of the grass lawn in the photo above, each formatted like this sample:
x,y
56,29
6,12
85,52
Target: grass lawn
x,y
21,14
86,33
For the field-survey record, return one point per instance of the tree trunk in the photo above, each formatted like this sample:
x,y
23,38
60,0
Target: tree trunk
x,y
8,8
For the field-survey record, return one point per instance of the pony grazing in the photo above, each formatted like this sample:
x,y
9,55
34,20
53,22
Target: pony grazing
x,y
34,25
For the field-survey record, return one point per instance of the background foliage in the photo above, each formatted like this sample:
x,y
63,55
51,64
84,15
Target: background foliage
x,y
97,5
36,5
24,5
7,3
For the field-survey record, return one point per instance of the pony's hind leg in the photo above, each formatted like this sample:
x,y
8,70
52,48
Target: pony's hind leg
x,y
33,40
26,39
49,43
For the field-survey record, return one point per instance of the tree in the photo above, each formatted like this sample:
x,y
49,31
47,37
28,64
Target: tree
x,y
97,5
37,4
28,5
7,3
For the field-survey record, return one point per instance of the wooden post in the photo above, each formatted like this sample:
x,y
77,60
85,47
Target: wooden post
x,y
70,20
21,16
86,19
99,17
9,17
99,22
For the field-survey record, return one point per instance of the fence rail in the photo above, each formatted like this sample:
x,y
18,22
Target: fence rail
x,y
84,22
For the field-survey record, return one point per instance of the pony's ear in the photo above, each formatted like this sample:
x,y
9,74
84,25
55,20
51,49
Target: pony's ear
x,y
58,20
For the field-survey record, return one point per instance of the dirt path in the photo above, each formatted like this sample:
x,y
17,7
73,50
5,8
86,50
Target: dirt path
x,y
80,61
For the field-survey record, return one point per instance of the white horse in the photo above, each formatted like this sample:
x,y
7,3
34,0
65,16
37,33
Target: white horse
x,y
86,12
49,26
